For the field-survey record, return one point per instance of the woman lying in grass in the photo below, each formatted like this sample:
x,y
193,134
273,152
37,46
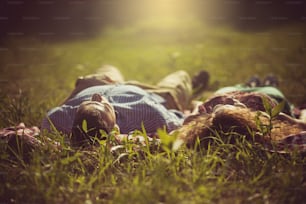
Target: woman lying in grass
x,y
256,111
252,116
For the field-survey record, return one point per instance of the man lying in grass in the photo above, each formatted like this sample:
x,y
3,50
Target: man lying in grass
x,y
106,103
103,102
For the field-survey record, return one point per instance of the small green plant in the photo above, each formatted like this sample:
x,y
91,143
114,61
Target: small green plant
x,y
265,129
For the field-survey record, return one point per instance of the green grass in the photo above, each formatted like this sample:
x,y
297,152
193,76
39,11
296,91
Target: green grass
x,y
37,75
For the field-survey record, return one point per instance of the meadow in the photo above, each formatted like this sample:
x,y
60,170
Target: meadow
x,y
38,74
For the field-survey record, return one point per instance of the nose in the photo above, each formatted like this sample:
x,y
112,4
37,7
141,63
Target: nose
x,y
97,97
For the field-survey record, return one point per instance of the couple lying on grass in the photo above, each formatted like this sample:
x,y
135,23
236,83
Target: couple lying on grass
x,y
103,103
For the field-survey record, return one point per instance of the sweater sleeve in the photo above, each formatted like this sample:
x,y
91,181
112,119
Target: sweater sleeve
x,y
59,119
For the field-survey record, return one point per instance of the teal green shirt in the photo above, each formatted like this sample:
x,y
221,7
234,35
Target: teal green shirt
x,y
269,90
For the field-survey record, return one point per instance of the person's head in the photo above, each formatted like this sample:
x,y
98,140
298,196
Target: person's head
x,y
94,119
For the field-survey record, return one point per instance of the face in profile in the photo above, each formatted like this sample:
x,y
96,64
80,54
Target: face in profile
x,y
93,119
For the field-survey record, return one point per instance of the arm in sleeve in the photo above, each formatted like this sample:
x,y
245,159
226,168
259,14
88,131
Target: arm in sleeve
x,y
59,119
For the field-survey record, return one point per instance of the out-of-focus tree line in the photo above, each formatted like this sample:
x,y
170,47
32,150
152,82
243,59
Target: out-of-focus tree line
x,y
66,18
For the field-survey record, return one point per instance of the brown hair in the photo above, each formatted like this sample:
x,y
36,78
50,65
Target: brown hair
x,y
90,123
231,119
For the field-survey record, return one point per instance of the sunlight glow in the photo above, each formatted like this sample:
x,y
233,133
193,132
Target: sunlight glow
x,y
124,11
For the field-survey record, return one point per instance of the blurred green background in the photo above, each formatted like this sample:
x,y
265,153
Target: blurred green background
x,y
46,45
